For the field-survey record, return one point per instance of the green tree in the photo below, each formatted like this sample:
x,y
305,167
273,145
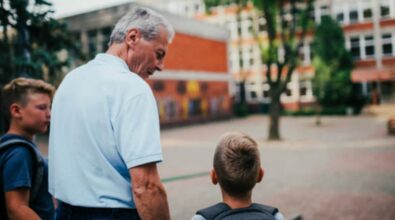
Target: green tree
x,y
287,23
32,42
332,85
286,30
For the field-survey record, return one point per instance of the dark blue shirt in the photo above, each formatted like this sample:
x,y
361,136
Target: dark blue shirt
x,y
16,172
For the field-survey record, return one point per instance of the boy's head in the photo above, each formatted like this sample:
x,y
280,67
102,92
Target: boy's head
x,y
237,165
26,104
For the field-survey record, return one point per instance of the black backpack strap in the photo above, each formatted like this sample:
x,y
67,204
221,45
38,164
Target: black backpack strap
x,y
212,212
265,208
38,163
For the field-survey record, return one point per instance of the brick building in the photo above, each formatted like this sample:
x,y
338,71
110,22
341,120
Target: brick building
x,y
195,84
369,28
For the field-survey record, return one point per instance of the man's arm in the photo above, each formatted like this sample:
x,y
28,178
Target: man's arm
x,y
17,202
148,192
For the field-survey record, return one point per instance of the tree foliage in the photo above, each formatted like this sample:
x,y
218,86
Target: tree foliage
x,y
332,84
33,43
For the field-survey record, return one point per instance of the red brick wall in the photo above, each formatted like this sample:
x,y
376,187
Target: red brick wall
x,y
188,52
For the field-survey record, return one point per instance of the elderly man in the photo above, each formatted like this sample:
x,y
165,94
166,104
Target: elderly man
x,y
104,137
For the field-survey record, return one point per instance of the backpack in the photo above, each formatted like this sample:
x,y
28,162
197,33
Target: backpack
x,y
38,162
253,212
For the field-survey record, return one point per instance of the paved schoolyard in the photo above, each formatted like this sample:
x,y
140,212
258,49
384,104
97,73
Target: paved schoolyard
x,y
344,169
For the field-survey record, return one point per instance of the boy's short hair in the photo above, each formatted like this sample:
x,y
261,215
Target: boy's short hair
x,y
237,163
18,89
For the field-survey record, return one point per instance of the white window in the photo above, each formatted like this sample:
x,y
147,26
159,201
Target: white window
x,y
251,92
324,10
367,13
353,15
385,9
265,92
369,46
387,45
320,11
305,90
305,54
355,47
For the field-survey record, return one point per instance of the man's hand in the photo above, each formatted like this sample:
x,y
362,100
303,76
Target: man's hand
x,y
17,202
148,192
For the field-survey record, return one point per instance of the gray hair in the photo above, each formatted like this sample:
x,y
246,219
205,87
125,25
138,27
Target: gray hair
x,y
144,19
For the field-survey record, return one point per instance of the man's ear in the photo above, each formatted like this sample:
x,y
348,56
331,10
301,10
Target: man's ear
x,y
261,173
213,176
132,37
15,110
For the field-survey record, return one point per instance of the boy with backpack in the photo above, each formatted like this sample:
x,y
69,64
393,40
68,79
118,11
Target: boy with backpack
x,y
23,170
237,169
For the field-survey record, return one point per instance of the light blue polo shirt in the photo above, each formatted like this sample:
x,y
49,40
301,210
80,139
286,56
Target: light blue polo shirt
x,y
104,121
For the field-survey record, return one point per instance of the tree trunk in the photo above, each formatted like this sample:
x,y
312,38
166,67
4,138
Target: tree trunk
x,y
318,115
274,111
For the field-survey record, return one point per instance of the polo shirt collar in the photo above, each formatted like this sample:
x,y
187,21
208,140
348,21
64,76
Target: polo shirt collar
x,y
111,59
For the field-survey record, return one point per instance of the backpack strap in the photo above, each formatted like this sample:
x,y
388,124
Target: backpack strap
x,y
38,164
222,210
213,211
265,208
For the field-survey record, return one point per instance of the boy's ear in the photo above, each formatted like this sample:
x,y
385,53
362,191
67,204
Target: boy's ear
x,y
260,175
213,176
15,110
132,37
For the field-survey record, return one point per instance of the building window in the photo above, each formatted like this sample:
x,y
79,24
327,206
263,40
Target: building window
x,y
288,92
239,27
367,14
181,87
387,44
324,10
253,95
241,62
303,88
369,46
353,15
251,61
384,9
355,47
261,24
340,17
250,25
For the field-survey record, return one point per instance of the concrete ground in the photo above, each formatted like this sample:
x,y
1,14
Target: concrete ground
x,y
344,169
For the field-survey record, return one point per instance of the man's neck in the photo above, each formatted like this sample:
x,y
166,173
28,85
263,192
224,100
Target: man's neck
x,y
237,202
18,131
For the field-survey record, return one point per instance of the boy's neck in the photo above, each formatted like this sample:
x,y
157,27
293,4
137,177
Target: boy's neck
x,y
18,131
237,202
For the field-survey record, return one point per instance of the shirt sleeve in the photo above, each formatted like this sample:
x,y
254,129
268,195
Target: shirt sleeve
x,y
17,170
198,217
137,131
279,216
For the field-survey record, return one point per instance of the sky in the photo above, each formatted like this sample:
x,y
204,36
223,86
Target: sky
x,y
70,7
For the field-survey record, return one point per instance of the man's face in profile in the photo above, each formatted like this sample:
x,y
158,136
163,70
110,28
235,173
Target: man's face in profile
x,y
148,55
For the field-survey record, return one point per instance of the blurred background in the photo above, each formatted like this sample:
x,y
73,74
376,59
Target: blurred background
x,y
312,81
